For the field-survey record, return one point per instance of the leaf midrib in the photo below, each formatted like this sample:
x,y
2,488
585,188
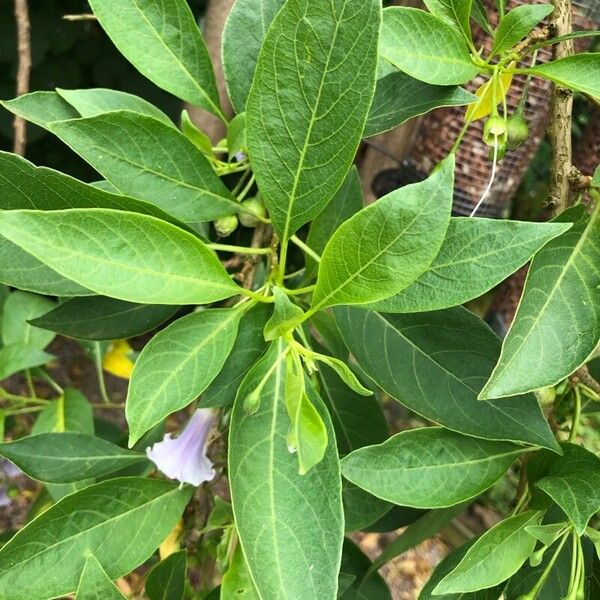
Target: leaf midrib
x,y
323,302
540,313
233,316
116,518
126,267
302,157
177,60
452,465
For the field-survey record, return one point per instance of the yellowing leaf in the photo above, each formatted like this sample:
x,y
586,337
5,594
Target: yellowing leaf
x,y
484,106
171,542
117,361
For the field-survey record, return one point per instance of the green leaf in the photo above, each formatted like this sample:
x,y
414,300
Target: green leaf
x,y
556,585
307,434
101,318
578,72
166,580
71,412
177,365
552,335
517,24
236,136
243,36
41,108
346,202
573,482
324,55
399,97
547,534
494,557
358,421
162,41
361,509
290,525
424,527
95,584
386,246
285,316
435,364
425,46
479,15
20,186
476,255
429,467
57,543
249,346
356,564
594,537
457,11
19,309
448,564
96,101
147,159
67,457
136,258
346,374
196,135
21,270
237,582
18,357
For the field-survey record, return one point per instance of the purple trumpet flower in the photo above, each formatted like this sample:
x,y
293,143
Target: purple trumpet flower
x,y
184,458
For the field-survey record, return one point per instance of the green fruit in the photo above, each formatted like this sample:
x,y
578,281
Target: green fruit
x,y
517,131
226,225
494,129
501,153
258,210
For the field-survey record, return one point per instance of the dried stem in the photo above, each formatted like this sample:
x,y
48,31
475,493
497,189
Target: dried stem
x,y
23,70
559,130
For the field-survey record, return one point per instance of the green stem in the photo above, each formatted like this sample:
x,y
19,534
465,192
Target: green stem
x,y
100,373
21,399
23,411
238,186
542,580
282,261
307,249
30,385
48,379
239,249
576,416
299,291
257,297
112,405
248,187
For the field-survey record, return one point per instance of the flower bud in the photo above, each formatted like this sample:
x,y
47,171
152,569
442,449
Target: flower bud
x,y
226,225
517,131
257,207
494,128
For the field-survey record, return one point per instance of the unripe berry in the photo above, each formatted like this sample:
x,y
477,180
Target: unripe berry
x,y
494,128
517,131
226,225
257,207
501,152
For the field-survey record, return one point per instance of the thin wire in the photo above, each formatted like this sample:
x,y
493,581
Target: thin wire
x,y
491,182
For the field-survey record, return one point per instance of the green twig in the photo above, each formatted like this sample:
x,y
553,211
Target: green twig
x,y
239,249
306,248
576,415
100,373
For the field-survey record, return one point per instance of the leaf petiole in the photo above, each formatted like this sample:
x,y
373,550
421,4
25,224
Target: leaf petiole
x,y
239,249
